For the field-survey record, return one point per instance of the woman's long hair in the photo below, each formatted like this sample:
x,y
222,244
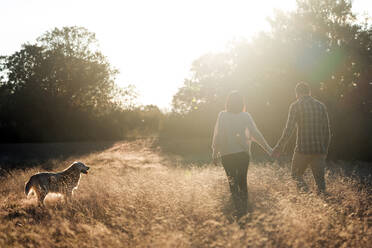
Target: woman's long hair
x,y
235,102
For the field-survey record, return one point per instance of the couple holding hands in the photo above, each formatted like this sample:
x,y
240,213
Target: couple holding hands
x,y
234,126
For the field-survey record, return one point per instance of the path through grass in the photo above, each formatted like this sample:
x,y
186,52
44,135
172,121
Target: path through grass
x,y
137,197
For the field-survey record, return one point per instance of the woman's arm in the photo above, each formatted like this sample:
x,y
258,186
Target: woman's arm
x,y
257,136
216,143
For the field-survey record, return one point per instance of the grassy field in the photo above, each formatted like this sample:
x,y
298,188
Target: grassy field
x,y
136,196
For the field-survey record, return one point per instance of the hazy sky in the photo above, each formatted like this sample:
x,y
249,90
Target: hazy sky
x,y
153,42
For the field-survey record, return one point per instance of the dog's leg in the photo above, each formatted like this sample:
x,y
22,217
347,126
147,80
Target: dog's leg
x,y
68,196
41,196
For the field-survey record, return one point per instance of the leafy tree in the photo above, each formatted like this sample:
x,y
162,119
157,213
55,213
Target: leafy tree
x,y
209,75
58,87
61,67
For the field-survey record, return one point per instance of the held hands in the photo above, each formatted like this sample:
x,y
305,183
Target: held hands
x,y
269,151
276,152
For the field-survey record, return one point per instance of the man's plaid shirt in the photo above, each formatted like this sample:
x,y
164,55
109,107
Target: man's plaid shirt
x,y
313,132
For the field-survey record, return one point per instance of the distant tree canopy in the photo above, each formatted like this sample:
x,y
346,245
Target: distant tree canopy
x,y
321,43
62,88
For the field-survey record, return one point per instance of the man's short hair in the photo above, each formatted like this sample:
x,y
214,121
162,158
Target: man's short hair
x,y
303,89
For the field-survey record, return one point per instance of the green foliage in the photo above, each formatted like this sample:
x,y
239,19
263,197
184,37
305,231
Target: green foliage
x,y
62,88
62,70
320,43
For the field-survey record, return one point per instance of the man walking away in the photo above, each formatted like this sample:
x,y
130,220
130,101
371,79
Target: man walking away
x,y
313,137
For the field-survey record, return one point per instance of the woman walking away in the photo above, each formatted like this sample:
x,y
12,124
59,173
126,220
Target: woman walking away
x,y
230,142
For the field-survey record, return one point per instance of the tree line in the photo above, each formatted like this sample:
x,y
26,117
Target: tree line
x,y
62,88
321,43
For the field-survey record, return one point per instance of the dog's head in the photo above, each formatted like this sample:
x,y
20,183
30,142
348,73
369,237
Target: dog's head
x,y
81,167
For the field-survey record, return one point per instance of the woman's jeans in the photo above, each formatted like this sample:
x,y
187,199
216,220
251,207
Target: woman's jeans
x,y
236,167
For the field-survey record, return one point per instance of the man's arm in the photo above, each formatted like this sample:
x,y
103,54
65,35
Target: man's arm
x,y
326,129
288,130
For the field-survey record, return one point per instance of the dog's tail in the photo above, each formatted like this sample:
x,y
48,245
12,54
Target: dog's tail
x,y
28,186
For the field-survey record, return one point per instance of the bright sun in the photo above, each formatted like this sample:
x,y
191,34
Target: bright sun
x,y
152,43
156,41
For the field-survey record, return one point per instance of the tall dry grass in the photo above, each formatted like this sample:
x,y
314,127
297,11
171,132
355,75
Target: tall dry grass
x,y
136,197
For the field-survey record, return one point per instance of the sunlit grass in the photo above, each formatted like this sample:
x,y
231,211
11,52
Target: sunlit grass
x,y
135,197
